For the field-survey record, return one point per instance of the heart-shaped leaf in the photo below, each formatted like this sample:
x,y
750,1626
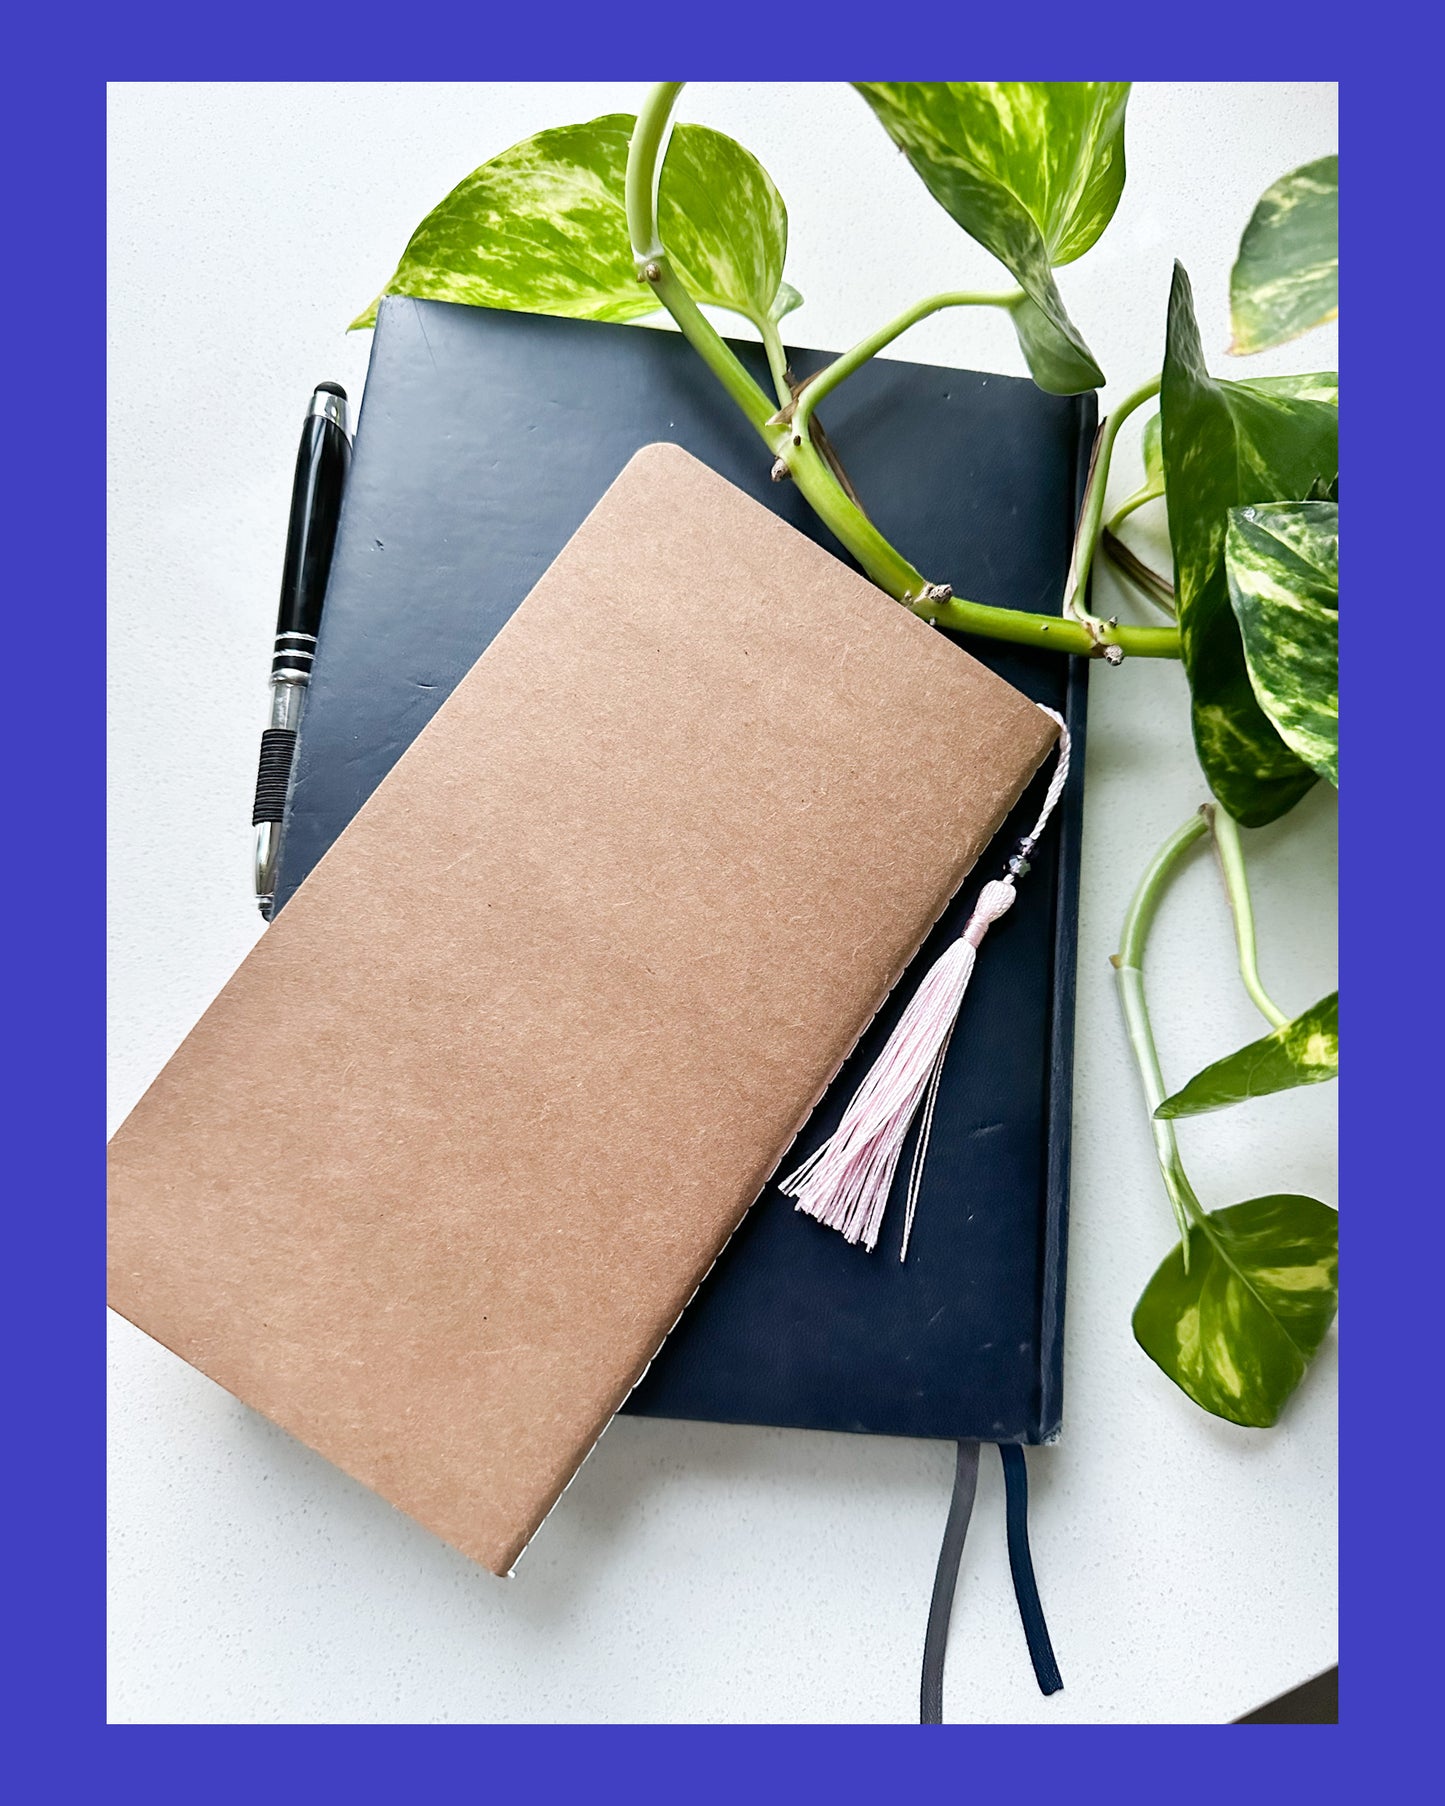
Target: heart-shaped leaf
x,y
1229,445
542,229
1303,1052
1033,171
1287,276
1237,1331
1282,560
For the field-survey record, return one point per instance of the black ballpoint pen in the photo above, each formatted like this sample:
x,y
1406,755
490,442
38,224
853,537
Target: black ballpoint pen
x,y
321,466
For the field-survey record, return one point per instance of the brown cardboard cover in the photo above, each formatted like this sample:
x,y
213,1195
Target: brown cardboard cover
x,y
438,1170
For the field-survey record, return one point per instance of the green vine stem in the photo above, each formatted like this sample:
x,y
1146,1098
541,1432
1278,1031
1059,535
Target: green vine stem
x,y
1129,965
644,168
1091,516
805,464
1045,631
1225,831
842,367
1125,509
710,346
777,360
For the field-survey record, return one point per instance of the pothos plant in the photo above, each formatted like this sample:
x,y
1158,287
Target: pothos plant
x,y
623,216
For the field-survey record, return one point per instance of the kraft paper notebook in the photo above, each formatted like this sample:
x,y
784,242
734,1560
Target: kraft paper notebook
x,y
565,991
484,439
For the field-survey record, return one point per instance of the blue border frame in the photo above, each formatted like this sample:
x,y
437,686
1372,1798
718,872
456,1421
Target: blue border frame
x,y
55,130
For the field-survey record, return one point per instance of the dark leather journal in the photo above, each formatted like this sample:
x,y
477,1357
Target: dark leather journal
x,y
484,440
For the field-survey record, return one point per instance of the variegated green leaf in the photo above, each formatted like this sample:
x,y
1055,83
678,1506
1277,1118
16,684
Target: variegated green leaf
x,y
724,224
1283,564
1320,385
1033,171
541,228
1229,445
1303,1052
1287,276
1238,1329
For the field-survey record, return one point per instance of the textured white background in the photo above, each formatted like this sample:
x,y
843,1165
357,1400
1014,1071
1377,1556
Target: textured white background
x,y
692,1572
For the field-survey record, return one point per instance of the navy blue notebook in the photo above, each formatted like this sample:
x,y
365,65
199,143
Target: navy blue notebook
x,y
484,440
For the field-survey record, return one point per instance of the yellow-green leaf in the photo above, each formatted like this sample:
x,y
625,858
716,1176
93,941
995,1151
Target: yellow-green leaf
x,y
1283,564
542,229
1305,1051
724,224
1238,1330
1228,445
1287,276
1033,171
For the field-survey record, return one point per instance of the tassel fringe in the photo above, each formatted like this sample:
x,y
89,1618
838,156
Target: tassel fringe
x,y
846,1183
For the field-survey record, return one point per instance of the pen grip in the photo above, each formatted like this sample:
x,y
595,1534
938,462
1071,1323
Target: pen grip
x,y
278,747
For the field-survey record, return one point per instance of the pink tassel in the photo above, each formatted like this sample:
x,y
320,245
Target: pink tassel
x,y
846,1183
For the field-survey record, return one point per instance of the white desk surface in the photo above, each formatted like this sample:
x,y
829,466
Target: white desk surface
x,y
692,1572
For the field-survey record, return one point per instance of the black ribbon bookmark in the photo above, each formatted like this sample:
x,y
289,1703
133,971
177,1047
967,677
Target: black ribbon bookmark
x,y
945,1581
1021,1566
